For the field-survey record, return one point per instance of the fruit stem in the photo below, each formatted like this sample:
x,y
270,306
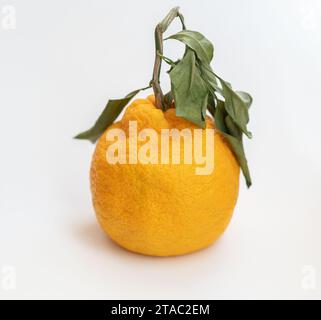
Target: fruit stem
x,y
159,30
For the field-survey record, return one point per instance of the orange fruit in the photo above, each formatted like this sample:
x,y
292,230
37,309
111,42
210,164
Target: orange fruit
x,y
163,209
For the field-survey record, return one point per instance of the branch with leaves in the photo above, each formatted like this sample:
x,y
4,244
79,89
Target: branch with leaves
x,y
195,88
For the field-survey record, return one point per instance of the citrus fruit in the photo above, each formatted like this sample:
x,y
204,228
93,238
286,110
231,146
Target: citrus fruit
x,y
163,209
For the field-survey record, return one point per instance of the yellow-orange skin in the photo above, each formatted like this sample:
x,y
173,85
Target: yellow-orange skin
x,y
163,209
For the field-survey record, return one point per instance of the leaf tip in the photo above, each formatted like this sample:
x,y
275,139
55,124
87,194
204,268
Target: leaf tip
x,y
249,135
82,136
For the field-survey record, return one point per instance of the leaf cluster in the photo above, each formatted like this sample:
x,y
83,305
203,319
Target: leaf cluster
x,y
195,88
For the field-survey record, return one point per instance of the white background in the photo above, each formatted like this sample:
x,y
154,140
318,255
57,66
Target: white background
x,y
57,70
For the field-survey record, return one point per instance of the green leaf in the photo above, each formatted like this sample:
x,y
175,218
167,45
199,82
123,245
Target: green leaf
x,y
219,115
208,75
189,90
238,150
107,117
211,103
237,105
246,98
209,78
233,136
196,41
232,128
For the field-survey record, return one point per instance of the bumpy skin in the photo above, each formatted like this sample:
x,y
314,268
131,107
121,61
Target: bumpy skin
x,y
163,210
